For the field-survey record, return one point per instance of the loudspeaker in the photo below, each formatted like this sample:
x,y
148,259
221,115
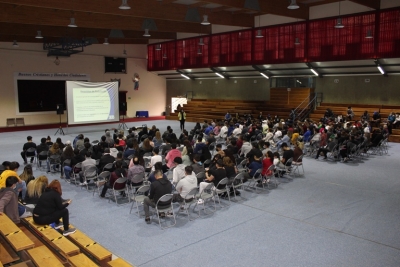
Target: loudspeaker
x,y
122,106
60,109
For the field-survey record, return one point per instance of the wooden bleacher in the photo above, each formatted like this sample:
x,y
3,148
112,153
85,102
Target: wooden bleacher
x,y
29,245
281,102
359,109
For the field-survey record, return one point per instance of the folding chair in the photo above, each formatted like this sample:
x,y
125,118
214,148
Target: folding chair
x,y
137,177
138,198
237,183
242,166
102,178
41,163
54,161
30,153
255,180
200,177
296,165
271,177
89,175
108,167
66,162
120,181
225,189
75,172
207,195
285,169
167,207
188,200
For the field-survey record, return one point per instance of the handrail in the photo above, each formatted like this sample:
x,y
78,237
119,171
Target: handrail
x,y
305,112
299,106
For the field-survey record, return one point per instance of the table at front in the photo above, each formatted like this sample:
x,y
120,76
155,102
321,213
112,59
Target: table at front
x,y
142,113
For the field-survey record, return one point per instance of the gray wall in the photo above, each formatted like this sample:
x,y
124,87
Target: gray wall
x,y
244,89
379,90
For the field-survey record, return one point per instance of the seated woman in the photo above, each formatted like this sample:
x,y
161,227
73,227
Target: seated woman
x,y
51,208
118,173
35,189
27,175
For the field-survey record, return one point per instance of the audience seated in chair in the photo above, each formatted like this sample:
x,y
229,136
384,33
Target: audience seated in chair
x,y
27,145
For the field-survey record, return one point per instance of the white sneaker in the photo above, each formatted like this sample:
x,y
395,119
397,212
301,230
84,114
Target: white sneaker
x,y
84,183
200,201
26,214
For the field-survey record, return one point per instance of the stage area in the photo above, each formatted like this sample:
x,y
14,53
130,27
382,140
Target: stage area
x,y
336,215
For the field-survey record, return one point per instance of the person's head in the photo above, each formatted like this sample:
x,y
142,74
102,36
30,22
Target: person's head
x,y
11,181
276,155
107,150
284,145
158,166
220,163
173,145
269,154
197,158
199,139
87,145
158,135
43,140
218,147
29,138
27,171
118,164
6,165
68,143
76,151
103,138
58,140
119,155
146,143
14,166
88,154
36,187
188,170
80,136
178,160
156,150
158,174
136,160
227,162
56,186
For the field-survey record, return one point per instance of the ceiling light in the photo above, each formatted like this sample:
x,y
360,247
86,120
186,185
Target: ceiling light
x,y
369,34
297,41
125,53
205,20
263,74
105,41
293,5
201,41
259,34
72,23
220,75
183,75
313,71
124,5
164,56
339,24
146,33
158,47
380,69
199,51
39,35
15,44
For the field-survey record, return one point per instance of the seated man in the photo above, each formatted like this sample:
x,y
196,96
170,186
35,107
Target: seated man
x,y
78,158
135,169
213,176
26,146
287,154
376,119
179,170
118,173
199,145
228,117
197,165
158,188
185,185
105,159
9,202
86,164
42,147
350,114
329,148
284,140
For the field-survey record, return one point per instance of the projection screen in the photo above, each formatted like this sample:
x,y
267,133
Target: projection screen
x,y
92,102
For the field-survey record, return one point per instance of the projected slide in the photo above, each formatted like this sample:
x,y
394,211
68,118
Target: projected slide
x,y
90,102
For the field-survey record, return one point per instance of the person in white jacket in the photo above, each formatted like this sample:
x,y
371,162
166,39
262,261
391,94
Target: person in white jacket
x,y
185,185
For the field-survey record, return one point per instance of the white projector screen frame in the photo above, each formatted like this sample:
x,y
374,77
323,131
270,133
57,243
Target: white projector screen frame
x,y
92,102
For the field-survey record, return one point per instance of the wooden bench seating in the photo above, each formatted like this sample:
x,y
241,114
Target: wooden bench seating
x,y
14,235
53,238
89,246
81,260
43,257
118,263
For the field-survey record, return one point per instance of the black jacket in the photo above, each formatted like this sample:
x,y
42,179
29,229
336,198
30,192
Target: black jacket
x,y
105,159
49,202
158,188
